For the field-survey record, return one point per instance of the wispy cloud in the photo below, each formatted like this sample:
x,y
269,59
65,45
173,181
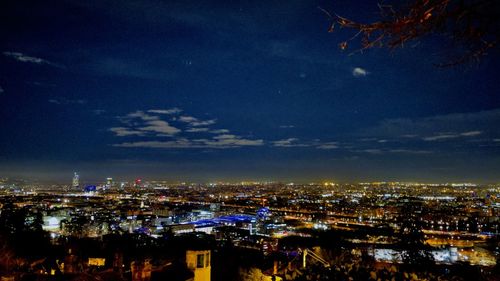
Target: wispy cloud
x,y
140,115
328,145
226,141
188,119
376,151
359,72
196,130
195,122
64,101
441,137
410,151
125,132
370,151
29,59
139,123
203,123
295,142
182,143
471,133
160,126
452,136
440,127
170,111
287,126
290,142
219,131
220,143
1,90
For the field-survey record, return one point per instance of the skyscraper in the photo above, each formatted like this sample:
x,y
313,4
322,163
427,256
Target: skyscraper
x,y
109,182
76,181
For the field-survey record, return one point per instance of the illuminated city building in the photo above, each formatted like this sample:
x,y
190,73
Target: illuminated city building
x,y
138,183
76,181
109,182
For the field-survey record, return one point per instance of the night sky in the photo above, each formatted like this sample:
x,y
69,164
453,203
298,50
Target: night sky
x,y
234,90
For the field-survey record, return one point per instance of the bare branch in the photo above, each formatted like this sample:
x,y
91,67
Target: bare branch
x,y
473,24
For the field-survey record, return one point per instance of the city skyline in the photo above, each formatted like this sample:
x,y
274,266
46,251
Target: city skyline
x,y
205,91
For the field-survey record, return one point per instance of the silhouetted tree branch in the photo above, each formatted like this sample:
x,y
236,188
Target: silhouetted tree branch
x,y
473,24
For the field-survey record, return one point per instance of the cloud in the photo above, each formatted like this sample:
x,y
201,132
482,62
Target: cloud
x,y
371,151
409,151
226,136
438,127
397,151
287,126
1,90
125,132
285,142
222,143
139,123
441,137
195,130
295,142
452,136
328,145
290,142
64,101
226,141
170,111
29,59
359,72
471,133
203,123
195,122
187,119
219,131
141,115
156,144
160,126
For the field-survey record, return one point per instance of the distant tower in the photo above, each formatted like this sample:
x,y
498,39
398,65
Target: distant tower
x,y
109,182
76,181
199,263
138,183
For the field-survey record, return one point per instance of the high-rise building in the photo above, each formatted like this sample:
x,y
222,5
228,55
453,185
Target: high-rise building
x,y
109,182
76,181
138,183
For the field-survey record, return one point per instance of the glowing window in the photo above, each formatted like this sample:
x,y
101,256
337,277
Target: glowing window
x,y
199,261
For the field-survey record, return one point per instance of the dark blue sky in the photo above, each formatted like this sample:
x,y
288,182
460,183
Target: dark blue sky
x,y
233,90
